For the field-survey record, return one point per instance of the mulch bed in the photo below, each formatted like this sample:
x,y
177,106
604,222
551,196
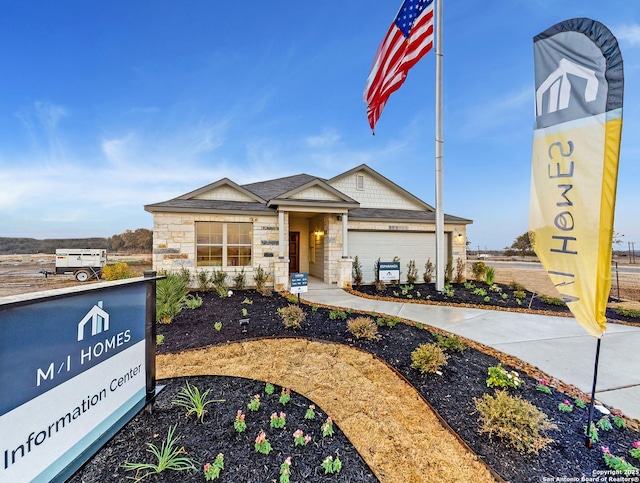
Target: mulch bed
x,y
452,395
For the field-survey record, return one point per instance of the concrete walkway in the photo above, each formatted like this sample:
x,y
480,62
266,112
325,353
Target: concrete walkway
x,y
558,346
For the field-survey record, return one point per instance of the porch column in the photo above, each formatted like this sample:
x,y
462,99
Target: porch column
x,y
345,237
280,234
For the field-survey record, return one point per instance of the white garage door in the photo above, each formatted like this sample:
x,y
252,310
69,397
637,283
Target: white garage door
x,y
369,246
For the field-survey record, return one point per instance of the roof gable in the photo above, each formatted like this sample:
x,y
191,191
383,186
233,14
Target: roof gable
x,y
222,190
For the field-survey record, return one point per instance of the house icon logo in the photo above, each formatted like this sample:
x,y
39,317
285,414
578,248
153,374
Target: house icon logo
x,y
99,319
557,87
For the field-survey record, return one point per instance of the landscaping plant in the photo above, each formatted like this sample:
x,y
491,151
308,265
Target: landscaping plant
x,y
363,328
193,401
212,471
428,358
292,316
500,377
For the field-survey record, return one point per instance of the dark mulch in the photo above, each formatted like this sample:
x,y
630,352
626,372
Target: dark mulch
x,y
452,395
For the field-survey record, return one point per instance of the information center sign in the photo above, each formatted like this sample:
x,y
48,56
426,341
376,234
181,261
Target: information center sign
x,y
70,369
299,283
388,271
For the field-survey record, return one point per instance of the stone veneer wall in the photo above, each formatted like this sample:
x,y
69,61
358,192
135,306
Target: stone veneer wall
x,y
174,245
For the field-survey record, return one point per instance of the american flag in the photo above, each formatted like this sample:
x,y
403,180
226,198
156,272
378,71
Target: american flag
x,y
409,38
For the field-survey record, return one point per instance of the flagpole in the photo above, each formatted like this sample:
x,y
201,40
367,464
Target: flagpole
x,y
440,247
588,440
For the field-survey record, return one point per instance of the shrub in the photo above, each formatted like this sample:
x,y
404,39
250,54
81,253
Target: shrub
x,y
292,316
202,277
632,313
428,271
388,321
239,280
260,279
461,267
412,272
500,377
519,294
192,302
428,358
376,271
380,285
552,300
337,314
219,281
515,286
170,294
117,271
517,422
450,343
357,272
448,271
363,328
489,275
478,269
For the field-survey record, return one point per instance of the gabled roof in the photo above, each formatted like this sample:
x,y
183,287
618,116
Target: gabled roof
x,y
273,188
218,184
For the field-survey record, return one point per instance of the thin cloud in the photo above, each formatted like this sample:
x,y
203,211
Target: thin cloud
x,y
629,34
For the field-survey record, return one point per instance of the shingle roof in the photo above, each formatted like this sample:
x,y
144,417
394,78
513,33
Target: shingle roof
x,y
399,215
275,187
209,206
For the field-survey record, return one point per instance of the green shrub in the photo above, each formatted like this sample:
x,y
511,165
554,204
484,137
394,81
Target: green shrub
x,y
412,272
388,321
218,280
292,316
363,328
478,269
633,313
118,271
500,377
159,339
202,278
260,279
448,271
428,271
240,280
337,314
170,295
461,267
480,291
450,343
517,422
552,300
428,358
519,294
357,272
192,302
489,275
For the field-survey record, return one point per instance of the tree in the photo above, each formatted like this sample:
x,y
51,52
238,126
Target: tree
x,y
521,246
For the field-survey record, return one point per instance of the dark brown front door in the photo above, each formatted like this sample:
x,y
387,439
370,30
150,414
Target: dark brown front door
x,y
294,252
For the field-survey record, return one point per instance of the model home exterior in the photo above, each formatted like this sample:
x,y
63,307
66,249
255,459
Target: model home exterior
x,y
300,224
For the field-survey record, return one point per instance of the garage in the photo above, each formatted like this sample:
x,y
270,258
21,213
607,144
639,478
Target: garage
x,y
371,245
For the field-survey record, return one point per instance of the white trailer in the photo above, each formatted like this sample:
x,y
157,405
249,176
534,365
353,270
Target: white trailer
x,y
81,263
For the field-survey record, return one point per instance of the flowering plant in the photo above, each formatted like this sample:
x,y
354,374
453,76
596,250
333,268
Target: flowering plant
x,y
301,439
239,424
254,404
285,396
604,424
285,470
617,463
310,414
262,444
278,421
331,465
543,386
327,427
212,471
635,451
268,388
500,377
565,406
618,420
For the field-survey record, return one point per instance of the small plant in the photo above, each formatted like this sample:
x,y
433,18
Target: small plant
x,y
448,290
192,302
552,300
260,278
278,421
357,272
515,421
450,343
337,314
159,339
469,285
580,403
239,424
625,312
311,412
565,406
618,421
635,451
285,396
193,401
363,328
262,444
314,308
240,280
461,267
387,321
428,271
118,271
617,463
167,456
543,386
301,439
519,294
218,280
247,301
218,326
331,465
504,296
428,358
495,288
489,275
487,299
479,291
500,377
592,433
604,424
327,427
212,471
254,404
268,388
380,285
448,271
245,312
292,316
202,278
412,272
478,269
285,470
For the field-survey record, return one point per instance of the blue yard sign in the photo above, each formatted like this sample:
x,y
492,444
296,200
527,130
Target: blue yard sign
x,y
299,283
388,271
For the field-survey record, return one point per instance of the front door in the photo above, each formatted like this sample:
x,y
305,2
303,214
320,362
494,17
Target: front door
x,y
294,252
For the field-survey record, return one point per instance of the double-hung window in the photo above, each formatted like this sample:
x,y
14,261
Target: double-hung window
x,y
223,244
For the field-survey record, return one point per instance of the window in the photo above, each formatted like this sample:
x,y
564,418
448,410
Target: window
x,y
360,182
223,244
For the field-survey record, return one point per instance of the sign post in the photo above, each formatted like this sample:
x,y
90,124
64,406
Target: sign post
x,y
299,284
388,271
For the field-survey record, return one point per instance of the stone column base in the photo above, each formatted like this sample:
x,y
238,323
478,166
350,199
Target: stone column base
x,y
281,275
345,267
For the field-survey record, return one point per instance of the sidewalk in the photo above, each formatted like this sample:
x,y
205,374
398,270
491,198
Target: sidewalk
x,y
558,346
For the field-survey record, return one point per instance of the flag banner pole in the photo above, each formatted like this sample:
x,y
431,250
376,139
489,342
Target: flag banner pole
x,y
439,222
588,440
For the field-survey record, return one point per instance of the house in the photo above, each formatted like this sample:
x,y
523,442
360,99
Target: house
x,y
300,223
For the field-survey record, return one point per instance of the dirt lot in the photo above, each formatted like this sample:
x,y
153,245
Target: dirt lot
x,y
21,274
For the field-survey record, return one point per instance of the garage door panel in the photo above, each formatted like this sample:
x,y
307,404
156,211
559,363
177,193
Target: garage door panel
x,y
369,246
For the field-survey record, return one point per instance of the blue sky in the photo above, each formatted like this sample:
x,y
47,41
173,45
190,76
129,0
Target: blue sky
x,y
108,106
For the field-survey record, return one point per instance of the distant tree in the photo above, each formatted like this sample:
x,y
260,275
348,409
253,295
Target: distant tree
x,y
140,240
521,246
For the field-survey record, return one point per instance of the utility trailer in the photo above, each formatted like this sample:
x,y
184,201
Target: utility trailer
x,y
83,264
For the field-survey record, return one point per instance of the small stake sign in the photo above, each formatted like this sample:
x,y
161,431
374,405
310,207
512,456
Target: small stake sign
x,y
388,271
299,283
